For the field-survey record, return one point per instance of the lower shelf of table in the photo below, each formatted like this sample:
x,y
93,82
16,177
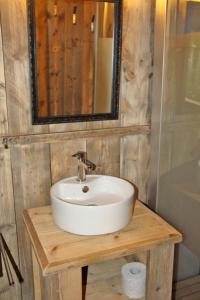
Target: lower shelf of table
x,y
106,290
104,280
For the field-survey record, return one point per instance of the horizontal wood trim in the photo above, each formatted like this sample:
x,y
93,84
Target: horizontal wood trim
x,y
46,138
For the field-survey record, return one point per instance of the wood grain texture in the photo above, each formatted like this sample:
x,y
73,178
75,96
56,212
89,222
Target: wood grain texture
x,y
64,57
55,53
31,160
107,289
16,60
160,272
62,163
3,108
57,287
70,284
50,287
99,151
63,250
31,182
8,223
42,57
133,104
104,271
36,277
134,162
89,9
136,62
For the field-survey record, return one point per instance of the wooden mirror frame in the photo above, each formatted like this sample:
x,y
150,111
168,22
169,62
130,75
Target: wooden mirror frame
x,y
113,115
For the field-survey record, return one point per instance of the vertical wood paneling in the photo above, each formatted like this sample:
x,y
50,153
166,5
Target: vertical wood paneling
x,y
129,158
135,85
76,57
62,163
42,57
105,153
68,66
34,167
15,47
134,165
55,53
143,166
3,108
136,62
7,206
88,59
7,223
31,180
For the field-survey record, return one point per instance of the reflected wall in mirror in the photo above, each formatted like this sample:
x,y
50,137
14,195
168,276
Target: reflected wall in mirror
x,y
185,46
75,59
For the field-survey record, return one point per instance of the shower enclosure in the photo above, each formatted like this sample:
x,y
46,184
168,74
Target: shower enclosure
x,y
175,160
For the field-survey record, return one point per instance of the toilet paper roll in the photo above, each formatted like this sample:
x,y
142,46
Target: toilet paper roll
x,y
134,280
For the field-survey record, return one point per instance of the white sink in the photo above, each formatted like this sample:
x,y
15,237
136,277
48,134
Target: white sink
x,y
100,205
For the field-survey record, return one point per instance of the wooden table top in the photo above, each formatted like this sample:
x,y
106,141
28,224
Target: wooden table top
x,y
57,250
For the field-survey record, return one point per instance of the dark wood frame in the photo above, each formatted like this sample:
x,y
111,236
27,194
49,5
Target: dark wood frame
x,y
113,115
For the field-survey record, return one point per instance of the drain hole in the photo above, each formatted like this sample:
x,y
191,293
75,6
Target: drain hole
x,y
92,204
85,189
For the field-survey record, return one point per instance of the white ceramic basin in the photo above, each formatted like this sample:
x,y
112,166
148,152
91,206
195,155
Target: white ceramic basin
x,y
100,205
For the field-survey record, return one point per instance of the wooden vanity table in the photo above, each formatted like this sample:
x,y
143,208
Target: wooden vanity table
x,y
56,251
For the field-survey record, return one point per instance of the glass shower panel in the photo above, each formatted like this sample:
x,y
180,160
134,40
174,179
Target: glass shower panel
x,y
179,181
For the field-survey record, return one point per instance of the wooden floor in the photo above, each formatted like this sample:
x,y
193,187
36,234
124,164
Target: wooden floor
x,y
188,289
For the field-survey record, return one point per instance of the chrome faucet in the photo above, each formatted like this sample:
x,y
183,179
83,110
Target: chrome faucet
x,y
83,165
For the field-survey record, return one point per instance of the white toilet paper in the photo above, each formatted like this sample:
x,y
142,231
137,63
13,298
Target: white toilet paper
x,y
134,280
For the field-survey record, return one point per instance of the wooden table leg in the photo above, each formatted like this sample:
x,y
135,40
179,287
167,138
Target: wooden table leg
x,y
71,284
160,272
36,277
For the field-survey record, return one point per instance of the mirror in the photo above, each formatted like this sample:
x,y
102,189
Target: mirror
x,y
75,48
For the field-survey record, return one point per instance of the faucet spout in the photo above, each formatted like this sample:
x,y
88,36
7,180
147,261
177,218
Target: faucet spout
x,y
83,165
89,165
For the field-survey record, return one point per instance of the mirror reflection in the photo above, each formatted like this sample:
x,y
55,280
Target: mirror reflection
x,y
74,67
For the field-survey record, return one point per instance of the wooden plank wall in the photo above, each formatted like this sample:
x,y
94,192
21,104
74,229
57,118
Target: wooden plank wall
x,y
64,58
27,171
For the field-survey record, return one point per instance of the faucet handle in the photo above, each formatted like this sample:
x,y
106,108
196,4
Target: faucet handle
x,y
80,155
